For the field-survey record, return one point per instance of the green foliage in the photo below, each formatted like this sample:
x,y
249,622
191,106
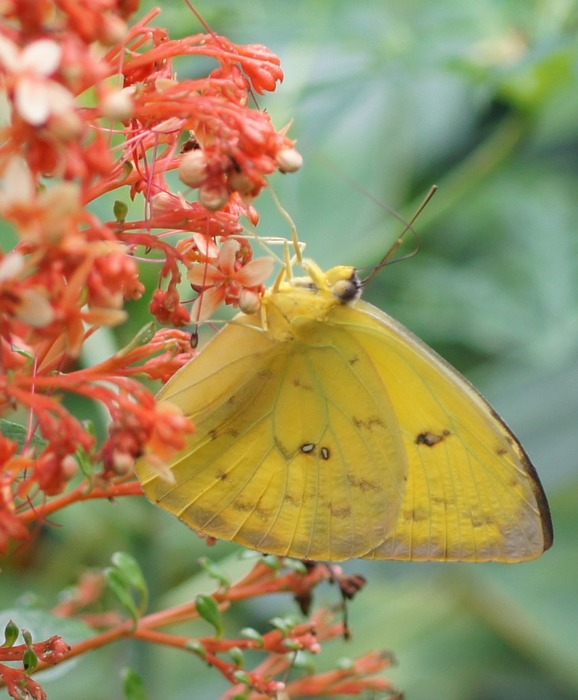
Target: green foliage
x,y
127,583
133,686
208,609
482,99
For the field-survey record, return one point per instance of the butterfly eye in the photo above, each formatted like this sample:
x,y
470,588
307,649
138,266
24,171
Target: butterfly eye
x,y
347,290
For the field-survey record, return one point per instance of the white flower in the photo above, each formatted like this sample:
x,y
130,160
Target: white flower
x,y
36,97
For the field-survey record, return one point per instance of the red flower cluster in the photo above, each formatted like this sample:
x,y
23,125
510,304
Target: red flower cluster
x,y
96,107
87,119
17,681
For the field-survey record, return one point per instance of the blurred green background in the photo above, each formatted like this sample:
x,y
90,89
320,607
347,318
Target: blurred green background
x,y
480,98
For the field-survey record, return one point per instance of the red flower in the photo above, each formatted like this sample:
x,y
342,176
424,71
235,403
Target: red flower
x,y
227,280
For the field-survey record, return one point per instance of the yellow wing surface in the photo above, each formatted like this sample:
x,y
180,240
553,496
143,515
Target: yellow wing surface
x,y
325,430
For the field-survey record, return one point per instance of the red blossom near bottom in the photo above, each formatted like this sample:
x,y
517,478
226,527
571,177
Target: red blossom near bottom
x,y
19,684
138,423
270,678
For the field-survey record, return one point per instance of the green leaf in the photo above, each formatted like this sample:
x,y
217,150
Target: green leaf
x,y
304,661
197,648
120,210
133,686
295,565
11,633
250,633
30,660
18,433
283,624
215,572
238,657
120,588
273,562
131,569
209,610
242,677
124,579
344,664
85,462
143,336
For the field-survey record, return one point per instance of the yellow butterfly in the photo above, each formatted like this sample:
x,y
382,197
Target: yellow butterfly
x,y
325,430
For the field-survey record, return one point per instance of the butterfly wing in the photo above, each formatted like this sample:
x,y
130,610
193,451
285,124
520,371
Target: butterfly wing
x,y
330,432
276,462
471,493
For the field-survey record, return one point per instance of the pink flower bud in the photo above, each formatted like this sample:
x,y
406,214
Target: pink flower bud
x,y
193,169
289,160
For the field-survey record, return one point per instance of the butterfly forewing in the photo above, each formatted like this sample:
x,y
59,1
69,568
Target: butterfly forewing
x,y
472,493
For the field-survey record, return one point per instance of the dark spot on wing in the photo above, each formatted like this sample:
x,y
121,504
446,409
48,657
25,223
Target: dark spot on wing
x,y
431,439
244,506
214,433
325,453
291,500
296,381
353,360
363,484
250,507
307,447
369,423
221,475
417,515
340,512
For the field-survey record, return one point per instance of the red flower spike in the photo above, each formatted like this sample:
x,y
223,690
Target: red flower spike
x,y
71,274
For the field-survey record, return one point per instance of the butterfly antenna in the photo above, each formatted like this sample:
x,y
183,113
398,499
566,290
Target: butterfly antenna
x,y
201,19
408,226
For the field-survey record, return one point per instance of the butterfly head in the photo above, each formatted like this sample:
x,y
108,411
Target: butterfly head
x,y
341,281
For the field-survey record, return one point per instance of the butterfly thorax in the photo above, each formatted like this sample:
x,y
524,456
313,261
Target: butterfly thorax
x,y
291,306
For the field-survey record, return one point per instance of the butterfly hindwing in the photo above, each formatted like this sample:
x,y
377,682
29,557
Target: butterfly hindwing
x,y
279,462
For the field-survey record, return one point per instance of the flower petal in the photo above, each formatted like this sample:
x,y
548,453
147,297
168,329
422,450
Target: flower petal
x,y
228,256
42,56
31,101
17,184
205,275
206,245
60,99
11,266
9,53
255,272
207,303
